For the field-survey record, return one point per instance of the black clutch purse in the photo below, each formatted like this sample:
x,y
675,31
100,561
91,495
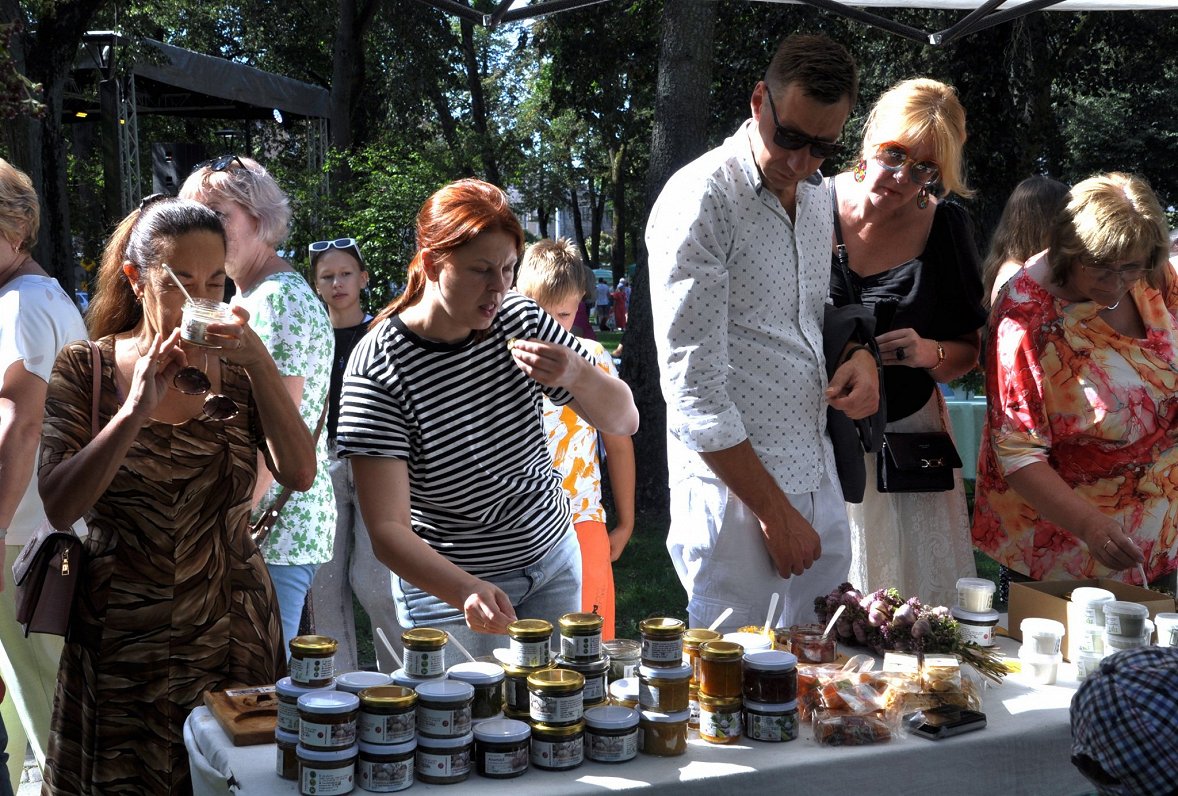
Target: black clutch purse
x,y
916,462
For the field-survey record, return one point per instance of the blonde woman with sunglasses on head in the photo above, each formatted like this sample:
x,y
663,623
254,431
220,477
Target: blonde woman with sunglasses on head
x,y
175,599
911,256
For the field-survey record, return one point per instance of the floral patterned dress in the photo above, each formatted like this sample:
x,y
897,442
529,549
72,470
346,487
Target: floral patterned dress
x,y
1100,408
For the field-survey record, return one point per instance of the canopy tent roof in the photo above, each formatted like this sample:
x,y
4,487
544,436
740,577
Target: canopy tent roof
x,y
983,13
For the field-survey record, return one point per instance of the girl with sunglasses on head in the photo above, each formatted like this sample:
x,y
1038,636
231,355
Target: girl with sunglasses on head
x,y
901,249
175,599
441,414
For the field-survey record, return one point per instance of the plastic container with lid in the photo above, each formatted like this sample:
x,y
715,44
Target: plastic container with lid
x,y
975,595
719,718
662,734
327,720
1124,618
288,760
1091,602
487,681
580,637
425,651
624,692
386,768
977,627
355,682
750,642
530,643
1089,638
1167,627
502,748
664,689
388,714
555,697
771,723
692,638
611,734
1039,668
402,678
312,661
596,674
558,748
288,703
807,644
662,641
625,656
443,708
720,668
770,677
1042,636
1087,663
326,773
443,761
516,699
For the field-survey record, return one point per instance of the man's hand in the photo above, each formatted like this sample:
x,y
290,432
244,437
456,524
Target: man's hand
x,y
854,388
792,542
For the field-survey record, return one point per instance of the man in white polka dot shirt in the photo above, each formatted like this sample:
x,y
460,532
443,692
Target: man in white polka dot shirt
x,y
739,244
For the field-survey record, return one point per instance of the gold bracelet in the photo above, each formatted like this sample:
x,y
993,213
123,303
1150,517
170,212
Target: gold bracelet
x,y
940,357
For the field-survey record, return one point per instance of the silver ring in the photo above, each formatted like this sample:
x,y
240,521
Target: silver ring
x,y
1107,542
900,354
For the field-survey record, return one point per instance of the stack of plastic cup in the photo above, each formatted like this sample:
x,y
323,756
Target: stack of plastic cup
x,y
1086,637
1040,652
1126,626
974,613
1167,625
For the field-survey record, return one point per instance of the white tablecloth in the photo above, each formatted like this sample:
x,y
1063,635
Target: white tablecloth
x,y
967,417
1025,748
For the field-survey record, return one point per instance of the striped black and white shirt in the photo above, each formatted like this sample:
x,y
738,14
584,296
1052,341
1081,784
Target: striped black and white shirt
x,y
469,424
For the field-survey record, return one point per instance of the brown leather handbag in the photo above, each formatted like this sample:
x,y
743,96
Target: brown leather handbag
x,y
49,567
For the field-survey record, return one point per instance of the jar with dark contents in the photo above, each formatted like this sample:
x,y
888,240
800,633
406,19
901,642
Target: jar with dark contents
x,y
580,637
719,718
355,682
443,708
444,761
487,681
326,773
662,641
662,734
558,748
327,720
555,696
664,689
808,646
388,715
529,643
625,656
425,652
611,734
502,748
770,677
312,661
771,723
596,674
516,700
288,761
385,768
720,670
288,703
693,637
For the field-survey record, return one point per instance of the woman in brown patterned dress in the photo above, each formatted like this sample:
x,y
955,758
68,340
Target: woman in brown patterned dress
x,y
175,598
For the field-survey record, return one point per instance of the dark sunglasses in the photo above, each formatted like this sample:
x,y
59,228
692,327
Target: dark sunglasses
x,y
221,164
892,157
194,381
793,140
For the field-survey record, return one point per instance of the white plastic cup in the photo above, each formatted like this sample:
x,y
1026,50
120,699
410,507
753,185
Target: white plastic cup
x,y
1042,636
1092,601
1039,668
1114,643
1167,627
1124,618
1087,663
975,595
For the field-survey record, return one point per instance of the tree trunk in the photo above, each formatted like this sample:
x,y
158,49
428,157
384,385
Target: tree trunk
x,y
617,258
347,71
478,105
680,128
579,226
597,213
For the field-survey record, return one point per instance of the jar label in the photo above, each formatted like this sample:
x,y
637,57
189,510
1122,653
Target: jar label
x,y
443,723
288,717
555,709
515,693
397,728
558,754
611,748
287,762
1112,623
311,671
662,651
1092,640
327,736
595,689
719,724
771,726
1094,614
427,663
443,764
529,654
386,777
193,329
982,635
505,763
693,712
581,646
326,781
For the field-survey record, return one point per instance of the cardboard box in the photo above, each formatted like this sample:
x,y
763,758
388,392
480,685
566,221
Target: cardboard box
x,y
1049,600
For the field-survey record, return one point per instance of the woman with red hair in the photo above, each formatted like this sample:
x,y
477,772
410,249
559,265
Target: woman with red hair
x,y
441,413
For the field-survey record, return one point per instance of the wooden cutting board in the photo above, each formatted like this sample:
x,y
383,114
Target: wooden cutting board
x,y
248,715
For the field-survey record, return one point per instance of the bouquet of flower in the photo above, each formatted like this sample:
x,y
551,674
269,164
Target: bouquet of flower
x,y
883,621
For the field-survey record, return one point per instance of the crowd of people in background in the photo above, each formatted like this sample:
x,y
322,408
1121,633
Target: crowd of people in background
x,y
441,459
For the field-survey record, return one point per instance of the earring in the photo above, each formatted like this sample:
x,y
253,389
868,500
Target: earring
x,y
860,170
922,198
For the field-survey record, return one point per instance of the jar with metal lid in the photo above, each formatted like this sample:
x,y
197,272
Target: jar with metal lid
x,y
487,681
312,661
558,748
772,723
555,696
664,690
770,677
443,761
425,651
624,692
288,759
326,773
596,674
692,638
529,643
662,734
327,720
288,703
719,718
720,670
580,637
625,655
502,748
388,714
662,641
443,708
516,700
611,734
386,768
355,682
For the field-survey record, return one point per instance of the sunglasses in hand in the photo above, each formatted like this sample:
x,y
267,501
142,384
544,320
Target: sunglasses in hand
x,y
194,381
